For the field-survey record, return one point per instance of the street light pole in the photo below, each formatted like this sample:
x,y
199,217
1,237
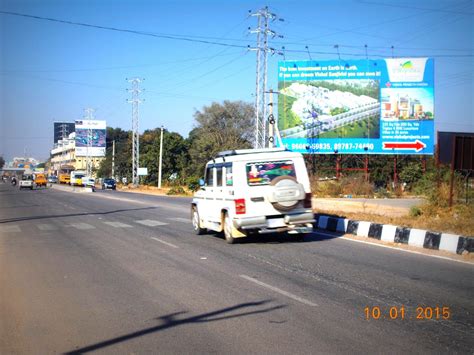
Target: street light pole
x,y
113,159
161,158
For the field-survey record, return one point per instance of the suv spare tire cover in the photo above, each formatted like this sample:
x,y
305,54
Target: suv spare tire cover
x,y
286,193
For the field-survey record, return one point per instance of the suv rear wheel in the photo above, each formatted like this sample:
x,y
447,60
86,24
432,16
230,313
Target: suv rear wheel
x,y
228,229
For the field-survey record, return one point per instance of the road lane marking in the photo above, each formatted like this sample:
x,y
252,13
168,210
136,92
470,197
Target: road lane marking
x,y
280,291
180,219
151,223
82,226
118,224
10,229
166,243
47,227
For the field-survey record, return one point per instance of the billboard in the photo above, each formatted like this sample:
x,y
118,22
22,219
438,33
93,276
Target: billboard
x,y
383,106
97,131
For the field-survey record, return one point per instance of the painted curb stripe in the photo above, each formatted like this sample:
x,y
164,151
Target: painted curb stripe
x,y
389,233
375,231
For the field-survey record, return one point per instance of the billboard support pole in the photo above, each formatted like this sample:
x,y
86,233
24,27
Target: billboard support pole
x,y
338,167
395,174
366,167
451,179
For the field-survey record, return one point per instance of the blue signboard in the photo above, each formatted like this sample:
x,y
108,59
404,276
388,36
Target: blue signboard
x,y
383,106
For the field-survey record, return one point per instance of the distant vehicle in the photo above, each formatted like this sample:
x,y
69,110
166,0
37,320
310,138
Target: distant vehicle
x,y
109,184
26,182
76,177
88,181
64,178
254,191
39,180
53,179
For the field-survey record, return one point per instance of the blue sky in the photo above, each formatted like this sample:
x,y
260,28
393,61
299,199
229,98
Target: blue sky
x,y
51,71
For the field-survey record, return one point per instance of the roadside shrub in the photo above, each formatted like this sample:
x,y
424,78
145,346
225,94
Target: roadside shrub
x,y
176,190
415,211
192,184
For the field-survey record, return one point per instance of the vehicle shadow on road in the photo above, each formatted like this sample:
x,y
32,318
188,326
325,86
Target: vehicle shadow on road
x,y
19,219
278,238
171,320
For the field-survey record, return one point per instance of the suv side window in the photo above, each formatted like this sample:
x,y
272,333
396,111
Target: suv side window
x,y
218,175
209,179
229,178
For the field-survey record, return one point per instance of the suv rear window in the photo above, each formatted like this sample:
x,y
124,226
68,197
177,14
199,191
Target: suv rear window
x,y
262,173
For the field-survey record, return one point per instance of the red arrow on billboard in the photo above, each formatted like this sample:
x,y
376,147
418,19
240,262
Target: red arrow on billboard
x,y
417,145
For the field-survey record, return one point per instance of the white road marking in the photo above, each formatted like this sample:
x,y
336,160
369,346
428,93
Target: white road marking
x,y
118,224
47,227
10,229
151,223
394,248
166,243
180,219
282,292
82,226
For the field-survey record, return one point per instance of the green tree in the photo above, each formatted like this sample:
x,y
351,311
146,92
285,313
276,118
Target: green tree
x,y
123,153
219,127
174,160
2,162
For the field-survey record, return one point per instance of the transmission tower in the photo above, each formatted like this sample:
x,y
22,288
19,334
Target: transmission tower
x,y
135,101
89,115
264,16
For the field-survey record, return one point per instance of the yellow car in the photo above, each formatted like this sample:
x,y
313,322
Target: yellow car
x,y
64,178
40,180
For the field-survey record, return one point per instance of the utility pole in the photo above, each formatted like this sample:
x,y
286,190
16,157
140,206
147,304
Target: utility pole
x,y
273,132
262,49
89,116
161,158
113,159
135,101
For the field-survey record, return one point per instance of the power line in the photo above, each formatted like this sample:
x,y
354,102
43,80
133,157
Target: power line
x,y
164,36
195,40
416,8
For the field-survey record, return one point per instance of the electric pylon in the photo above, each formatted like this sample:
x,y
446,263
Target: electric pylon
x,y
135,101
263,32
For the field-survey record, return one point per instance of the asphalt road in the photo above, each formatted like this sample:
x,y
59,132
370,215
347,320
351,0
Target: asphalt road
x,y
115,272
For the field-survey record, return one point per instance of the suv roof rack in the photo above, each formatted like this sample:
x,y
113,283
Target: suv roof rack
x,y
228,153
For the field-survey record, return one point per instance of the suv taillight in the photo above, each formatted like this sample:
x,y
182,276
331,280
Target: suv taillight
x,y
307,203
239,206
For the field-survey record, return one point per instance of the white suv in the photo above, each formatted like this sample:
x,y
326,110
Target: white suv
x,y
254,191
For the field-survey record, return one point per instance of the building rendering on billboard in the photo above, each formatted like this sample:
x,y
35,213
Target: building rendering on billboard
x,y
381,106
93,130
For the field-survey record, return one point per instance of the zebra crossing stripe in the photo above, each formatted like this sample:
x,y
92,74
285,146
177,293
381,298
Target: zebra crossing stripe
x,y
118,225
47,227
151,223
10,229
82,226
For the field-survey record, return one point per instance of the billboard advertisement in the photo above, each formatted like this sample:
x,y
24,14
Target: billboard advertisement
x,y
383,106
93,130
